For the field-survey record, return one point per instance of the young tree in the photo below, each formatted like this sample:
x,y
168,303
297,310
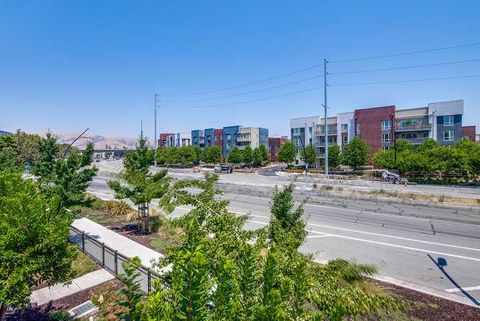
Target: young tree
x,y
235,156
61,175
257,157
247,154
309,156
264,153
334,156
130,294
211,155
355,153
138,184
34,247
287,152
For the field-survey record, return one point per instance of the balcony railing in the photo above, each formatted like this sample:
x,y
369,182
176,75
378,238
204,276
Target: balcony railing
x,y
413,127
322,132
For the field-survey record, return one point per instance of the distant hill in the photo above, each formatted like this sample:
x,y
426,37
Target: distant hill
x,y
100,142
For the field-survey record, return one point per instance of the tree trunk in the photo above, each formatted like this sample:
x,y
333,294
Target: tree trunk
x,y
3,310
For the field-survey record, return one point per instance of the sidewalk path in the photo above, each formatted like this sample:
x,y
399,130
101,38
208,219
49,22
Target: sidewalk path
x,y
118,242
58,291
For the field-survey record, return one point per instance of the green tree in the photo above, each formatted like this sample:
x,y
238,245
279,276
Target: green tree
x,y
355,153
211,155
130,294
287,153
334,156
8,155
34,247
264,153
235,156
138,184
247,155
257,157
309,155
64,176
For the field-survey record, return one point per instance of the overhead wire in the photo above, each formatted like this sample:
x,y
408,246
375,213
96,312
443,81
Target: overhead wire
x,y
249,92
405,53
401,81
404,67
248,101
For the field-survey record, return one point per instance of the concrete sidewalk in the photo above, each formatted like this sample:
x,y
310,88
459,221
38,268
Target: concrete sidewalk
x,y
122,244
59,291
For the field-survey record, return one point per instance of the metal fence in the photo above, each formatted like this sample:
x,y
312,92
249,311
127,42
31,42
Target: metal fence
x,y
110,259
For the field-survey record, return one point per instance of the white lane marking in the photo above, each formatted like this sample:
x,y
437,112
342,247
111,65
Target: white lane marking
x,y
382,243
318,236
472,288
384,235
407,248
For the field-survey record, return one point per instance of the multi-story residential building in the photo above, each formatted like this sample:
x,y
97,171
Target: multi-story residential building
x,y
242,136
274,144
165,139
174,140
311,131
214,137
198,138
379,127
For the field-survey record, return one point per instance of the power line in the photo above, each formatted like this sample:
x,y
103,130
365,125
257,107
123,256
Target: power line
x,y
407,53
402,81
247,83
404,67
248,92
248,101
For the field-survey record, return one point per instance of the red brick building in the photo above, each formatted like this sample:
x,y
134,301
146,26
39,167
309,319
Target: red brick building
x,y
274,144
164,138
375,126
469,132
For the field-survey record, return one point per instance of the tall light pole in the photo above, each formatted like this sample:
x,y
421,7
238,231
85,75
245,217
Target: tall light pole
x,y
325,109
155,141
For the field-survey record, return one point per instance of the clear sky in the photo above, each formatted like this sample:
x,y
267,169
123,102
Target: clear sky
x,y
68,65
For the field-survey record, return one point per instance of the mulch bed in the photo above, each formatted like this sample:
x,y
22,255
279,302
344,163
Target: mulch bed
x,y
431,308
131,231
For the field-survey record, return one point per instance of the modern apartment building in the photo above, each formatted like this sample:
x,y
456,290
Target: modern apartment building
x,y
241,136
379,127
174,139
198,138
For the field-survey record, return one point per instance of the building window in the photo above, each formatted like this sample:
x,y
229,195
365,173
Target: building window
x,y
448,120
385,147
344,140
386,138
359,129
344,128
386,124
448,135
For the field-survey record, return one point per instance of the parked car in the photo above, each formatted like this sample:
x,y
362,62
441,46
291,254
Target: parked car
x,y
223,168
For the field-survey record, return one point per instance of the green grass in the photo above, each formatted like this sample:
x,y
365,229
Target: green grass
x,y
83,265
95,209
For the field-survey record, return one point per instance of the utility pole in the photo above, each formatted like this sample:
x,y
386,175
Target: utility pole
x,y
325,109
155,139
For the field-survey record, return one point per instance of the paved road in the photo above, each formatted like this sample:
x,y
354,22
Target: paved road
x,y
400,239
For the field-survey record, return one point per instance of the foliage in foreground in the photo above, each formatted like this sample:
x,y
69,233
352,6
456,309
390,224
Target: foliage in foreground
x,y
34,246
220,271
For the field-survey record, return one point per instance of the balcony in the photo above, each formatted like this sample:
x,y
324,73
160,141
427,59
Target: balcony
x,y
243,139
412,127
322,132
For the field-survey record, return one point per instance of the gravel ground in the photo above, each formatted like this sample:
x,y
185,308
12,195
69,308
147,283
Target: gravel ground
x,y
431,308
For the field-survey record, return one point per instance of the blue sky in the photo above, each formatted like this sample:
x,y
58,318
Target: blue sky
x,y
68,65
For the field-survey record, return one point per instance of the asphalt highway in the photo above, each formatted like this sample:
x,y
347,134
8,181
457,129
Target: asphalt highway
x,y
406,241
